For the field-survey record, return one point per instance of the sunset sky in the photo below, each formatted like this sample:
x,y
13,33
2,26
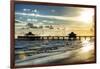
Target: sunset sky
x,y
72,18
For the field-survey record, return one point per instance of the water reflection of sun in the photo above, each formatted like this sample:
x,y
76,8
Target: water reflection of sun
x,y
87,46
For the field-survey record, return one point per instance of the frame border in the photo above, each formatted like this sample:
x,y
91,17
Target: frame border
x,y
12,30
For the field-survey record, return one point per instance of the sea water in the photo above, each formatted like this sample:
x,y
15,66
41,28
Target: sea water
x,y
43,51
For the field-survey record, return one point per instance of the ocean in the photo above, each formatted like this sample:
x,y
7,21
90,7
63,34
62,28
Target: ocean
x,y
39,52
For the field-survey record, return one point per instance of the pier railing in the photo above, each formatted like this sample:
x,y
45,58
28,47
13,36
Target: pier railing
x,y
65,37
54,38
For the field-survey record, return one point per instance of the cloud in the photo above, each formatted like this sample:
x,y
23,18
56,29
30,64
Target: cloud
x,y
24,14
26,10
35,20
53,11
51,22
29,19
44,21
47,16
18,21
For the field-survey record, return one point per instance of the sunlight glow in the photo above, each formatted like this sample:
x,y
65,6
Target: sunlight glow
x,y
86,15
86,46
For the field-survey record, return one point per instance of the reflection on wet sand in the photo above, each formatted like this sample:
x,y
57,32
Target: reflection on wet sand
x,y
56,52
81,55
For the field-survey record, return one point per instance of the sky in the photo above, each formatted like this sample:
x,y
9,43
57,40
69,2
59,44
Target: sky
x,y
75,18
45,15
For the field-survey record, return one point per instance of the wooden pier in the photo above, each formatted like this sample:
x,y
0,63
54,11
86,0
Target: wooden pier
x,y
24,53
65,37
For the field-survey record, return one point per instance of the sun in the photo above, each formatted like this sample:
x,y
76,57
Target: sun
x,y
86,15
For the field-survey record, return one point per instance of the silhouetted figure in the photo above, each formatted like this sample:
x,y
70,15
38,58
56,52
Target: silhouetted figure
x,y
72,36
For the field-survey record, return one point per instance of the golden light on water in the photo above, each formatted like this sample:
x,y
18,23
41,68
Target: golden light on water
x,y
86,46
22,55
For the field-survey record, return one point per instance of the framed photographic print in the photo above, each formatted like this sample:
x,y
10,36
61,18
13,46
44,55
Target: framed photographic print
x,y
50,34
